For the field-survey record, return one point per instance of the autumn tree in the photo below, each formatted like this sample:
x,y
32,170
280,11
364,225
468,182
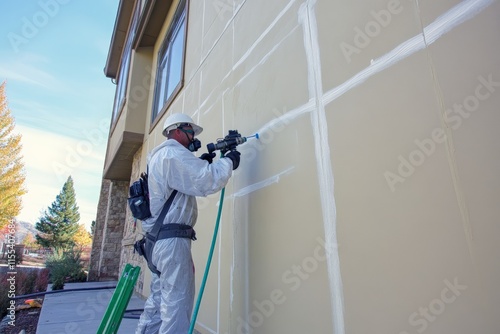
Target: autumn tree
x,y
29,241
58,226
6,231
12,174
82,237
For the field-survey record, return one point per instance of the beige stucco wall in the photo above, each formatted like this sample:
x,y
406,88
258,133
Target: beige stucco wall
x,y
369,205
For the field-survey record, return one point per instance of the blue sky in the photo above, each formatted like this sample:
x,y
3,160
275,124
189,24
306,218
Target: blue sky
x,y
52,56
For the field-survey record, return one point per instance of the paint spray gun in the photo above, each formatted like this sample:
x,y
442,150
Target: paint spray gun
x,y
229,143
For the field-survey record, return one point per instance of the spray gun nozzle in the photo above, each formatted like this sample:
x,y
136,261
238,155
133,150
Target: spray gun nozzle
x,y
256,136
229,143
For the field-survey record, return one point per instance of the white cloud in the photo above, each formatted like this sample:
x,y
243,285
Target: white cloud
x,y
25,70
80,126
49,159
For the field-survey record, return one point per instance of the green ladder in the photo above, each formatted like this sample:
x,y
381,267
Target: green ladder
x,y
118,304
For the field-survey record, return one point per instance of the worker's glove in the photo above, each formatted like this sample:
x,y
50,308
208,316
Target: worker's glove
x,y
208,157
235,158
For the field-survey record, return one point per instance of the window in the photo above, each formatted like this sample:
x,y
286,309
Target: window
x,y
121,86
170,68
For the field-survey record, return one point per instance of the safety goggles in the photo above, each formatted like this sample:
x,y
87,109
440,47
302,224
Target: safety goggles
x,y
188,131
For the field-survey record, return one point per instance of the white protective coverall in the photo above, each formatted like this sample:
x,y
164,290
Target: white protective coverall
x,y
172,166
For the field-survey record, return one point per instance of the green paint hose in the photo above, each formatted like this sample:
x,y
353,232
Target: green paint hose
x,y
209,261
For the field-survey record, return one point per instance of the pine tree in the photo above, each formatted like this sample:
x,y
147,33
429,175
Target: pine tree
x,y
59,225
92,228
11,167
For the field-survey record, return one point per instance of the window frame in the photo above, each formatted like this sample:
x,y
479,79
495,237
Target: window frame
x,y
179,20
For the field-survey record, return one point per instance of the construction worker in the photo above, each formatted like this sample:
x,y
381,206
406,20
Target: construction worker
x,y
172,166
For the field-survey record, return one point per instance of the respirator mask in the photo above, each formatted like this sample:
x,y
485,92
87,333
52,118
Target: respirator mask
x,y
194,143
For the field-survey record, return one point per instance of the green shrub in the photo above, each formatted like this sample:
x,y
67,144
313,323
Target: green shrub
x,y
65,267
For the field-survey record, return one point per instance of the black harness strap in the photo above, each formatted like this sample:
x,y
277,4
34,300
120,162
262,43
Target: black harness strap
x,y
153,235
165,231
160,231
176,231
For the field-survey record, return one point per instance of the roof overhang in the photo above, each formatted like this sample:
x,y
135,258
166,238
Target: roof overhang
x,y
120,167
125,9
151,21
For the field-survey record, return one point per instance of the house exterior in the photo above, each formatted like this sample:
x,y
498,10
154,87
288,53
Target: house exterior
x,y
370,202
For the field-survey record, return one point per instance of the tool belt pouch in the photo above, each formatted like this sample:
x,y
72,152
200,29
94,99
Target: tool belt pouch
x,y
139,206
144,248
139,247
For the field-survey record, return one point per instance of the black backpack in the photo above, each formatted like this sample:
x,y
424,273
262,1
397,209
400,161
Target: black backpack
x,y
138,201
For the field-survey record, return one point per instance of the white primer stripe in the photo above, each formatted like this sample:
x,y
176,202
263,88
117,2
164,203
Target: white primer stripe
x,y
264,59
261,37
457,15
262,184
206,327
442,25
288,116
307,18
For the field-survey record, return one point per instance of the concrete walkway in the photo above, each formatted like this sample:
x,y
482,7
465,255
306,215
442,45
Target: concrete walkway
x,y
81,312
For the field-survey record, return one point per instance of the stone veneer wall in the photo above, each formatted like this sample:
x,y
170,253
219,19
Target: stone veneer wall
x,y
98,231
132,231
106,246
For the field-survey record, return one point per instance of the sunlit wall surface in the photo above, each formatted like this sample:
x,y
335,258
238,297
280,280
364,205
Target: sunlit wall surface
x,y
370,202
